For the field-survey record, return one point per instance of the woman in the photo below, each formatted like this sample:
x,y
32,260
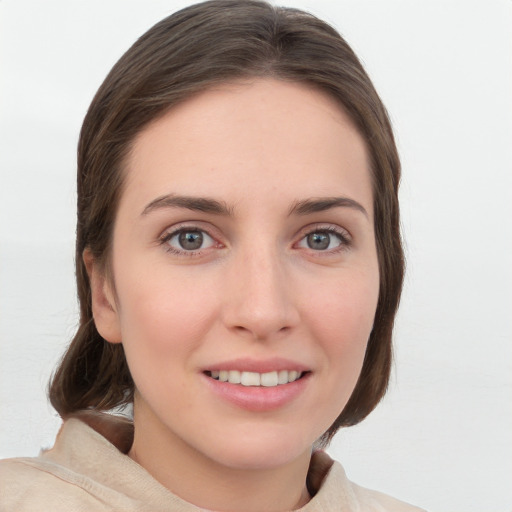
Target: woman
x,y
239,267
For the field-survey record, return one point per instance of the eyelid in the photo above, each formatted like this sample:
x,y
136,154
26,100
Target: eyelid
x,y
344,234
174,230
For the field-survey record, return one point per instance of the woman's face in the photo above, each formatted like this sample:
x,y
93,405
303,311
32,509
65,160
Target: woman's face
x,y
243,249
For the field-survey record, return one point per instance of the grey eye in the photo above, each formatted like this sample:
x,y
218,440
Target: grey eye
x,y
190,240
322,240
318,241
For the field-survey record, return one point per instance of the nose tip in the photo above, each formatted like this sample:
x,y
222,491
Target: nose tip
x,y
261,332
260,323
259,302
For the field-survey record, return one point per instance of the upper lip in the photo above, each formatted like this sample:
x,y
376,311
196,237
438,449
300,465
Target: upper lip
x,y
258,366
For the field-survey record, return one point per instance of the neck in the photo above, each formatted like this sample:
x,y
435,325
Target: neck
x,y
208,484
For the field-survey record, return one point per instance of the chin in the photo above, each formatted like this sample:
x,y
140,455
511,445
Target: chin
x,y
262,450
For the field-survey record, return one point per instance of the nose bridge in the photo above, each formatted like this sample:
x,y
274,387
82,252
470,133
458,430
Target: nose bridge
x,y
259,300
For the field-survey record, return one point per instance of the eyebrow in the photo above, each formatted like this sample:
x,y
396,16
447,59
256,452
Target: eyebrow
x,y
198,204
325,203
208,205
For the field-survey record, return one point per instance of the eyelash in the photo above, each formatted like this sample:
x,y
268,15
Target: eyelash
x,y
341,234
168,236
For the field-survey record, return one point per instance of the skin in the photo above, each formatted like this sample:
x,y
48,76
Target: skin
x,y
256,288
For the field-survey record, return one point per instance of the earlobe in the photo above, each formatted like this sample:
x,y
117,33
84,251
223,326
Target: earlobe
x,y
104,308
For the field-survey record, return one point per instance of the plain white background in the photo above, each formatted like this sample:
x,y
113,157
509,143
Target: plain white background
x,y
441,438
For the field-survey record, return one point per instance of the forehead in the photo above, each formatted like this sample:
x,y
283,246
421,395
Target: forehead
x,y
261,136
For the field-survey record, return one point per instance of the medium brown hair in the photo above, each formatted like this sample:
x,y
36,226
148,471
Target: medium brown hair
x,y
202,45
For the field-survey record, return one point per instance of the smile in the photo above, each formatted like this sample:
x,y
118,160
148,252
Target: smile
x,y
269,379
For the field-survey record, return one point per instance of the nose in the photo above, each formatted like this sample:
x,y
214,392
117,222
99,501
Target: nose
x,y
259,301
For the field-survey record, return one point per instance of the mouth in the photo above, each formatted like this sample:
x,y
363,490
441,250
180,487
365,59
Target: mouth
x,y
258,385
255,379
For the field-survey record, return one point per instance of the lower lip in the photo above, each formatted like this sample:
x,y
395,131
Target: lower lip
x,y
258,398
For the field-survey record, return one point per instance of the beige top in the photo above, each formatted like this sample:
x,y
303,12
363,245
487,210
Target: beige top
x,y
89,471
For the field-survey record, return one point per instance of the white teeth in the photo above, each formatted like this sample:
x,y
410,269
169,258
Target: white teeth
x,y
282,377
250,379
234,377
269,379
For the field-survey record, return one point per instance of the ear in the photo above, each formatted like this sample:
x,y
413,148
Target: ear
x,y
104,308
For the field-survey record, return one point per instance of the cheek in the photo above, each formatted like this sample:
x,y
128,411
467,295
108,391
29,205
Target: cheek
x,y
342,318
345,311
161,316
162,324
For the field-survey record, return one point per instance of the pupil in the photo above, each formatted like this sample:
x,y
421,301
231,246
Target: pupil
x,y
191,240
318,241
